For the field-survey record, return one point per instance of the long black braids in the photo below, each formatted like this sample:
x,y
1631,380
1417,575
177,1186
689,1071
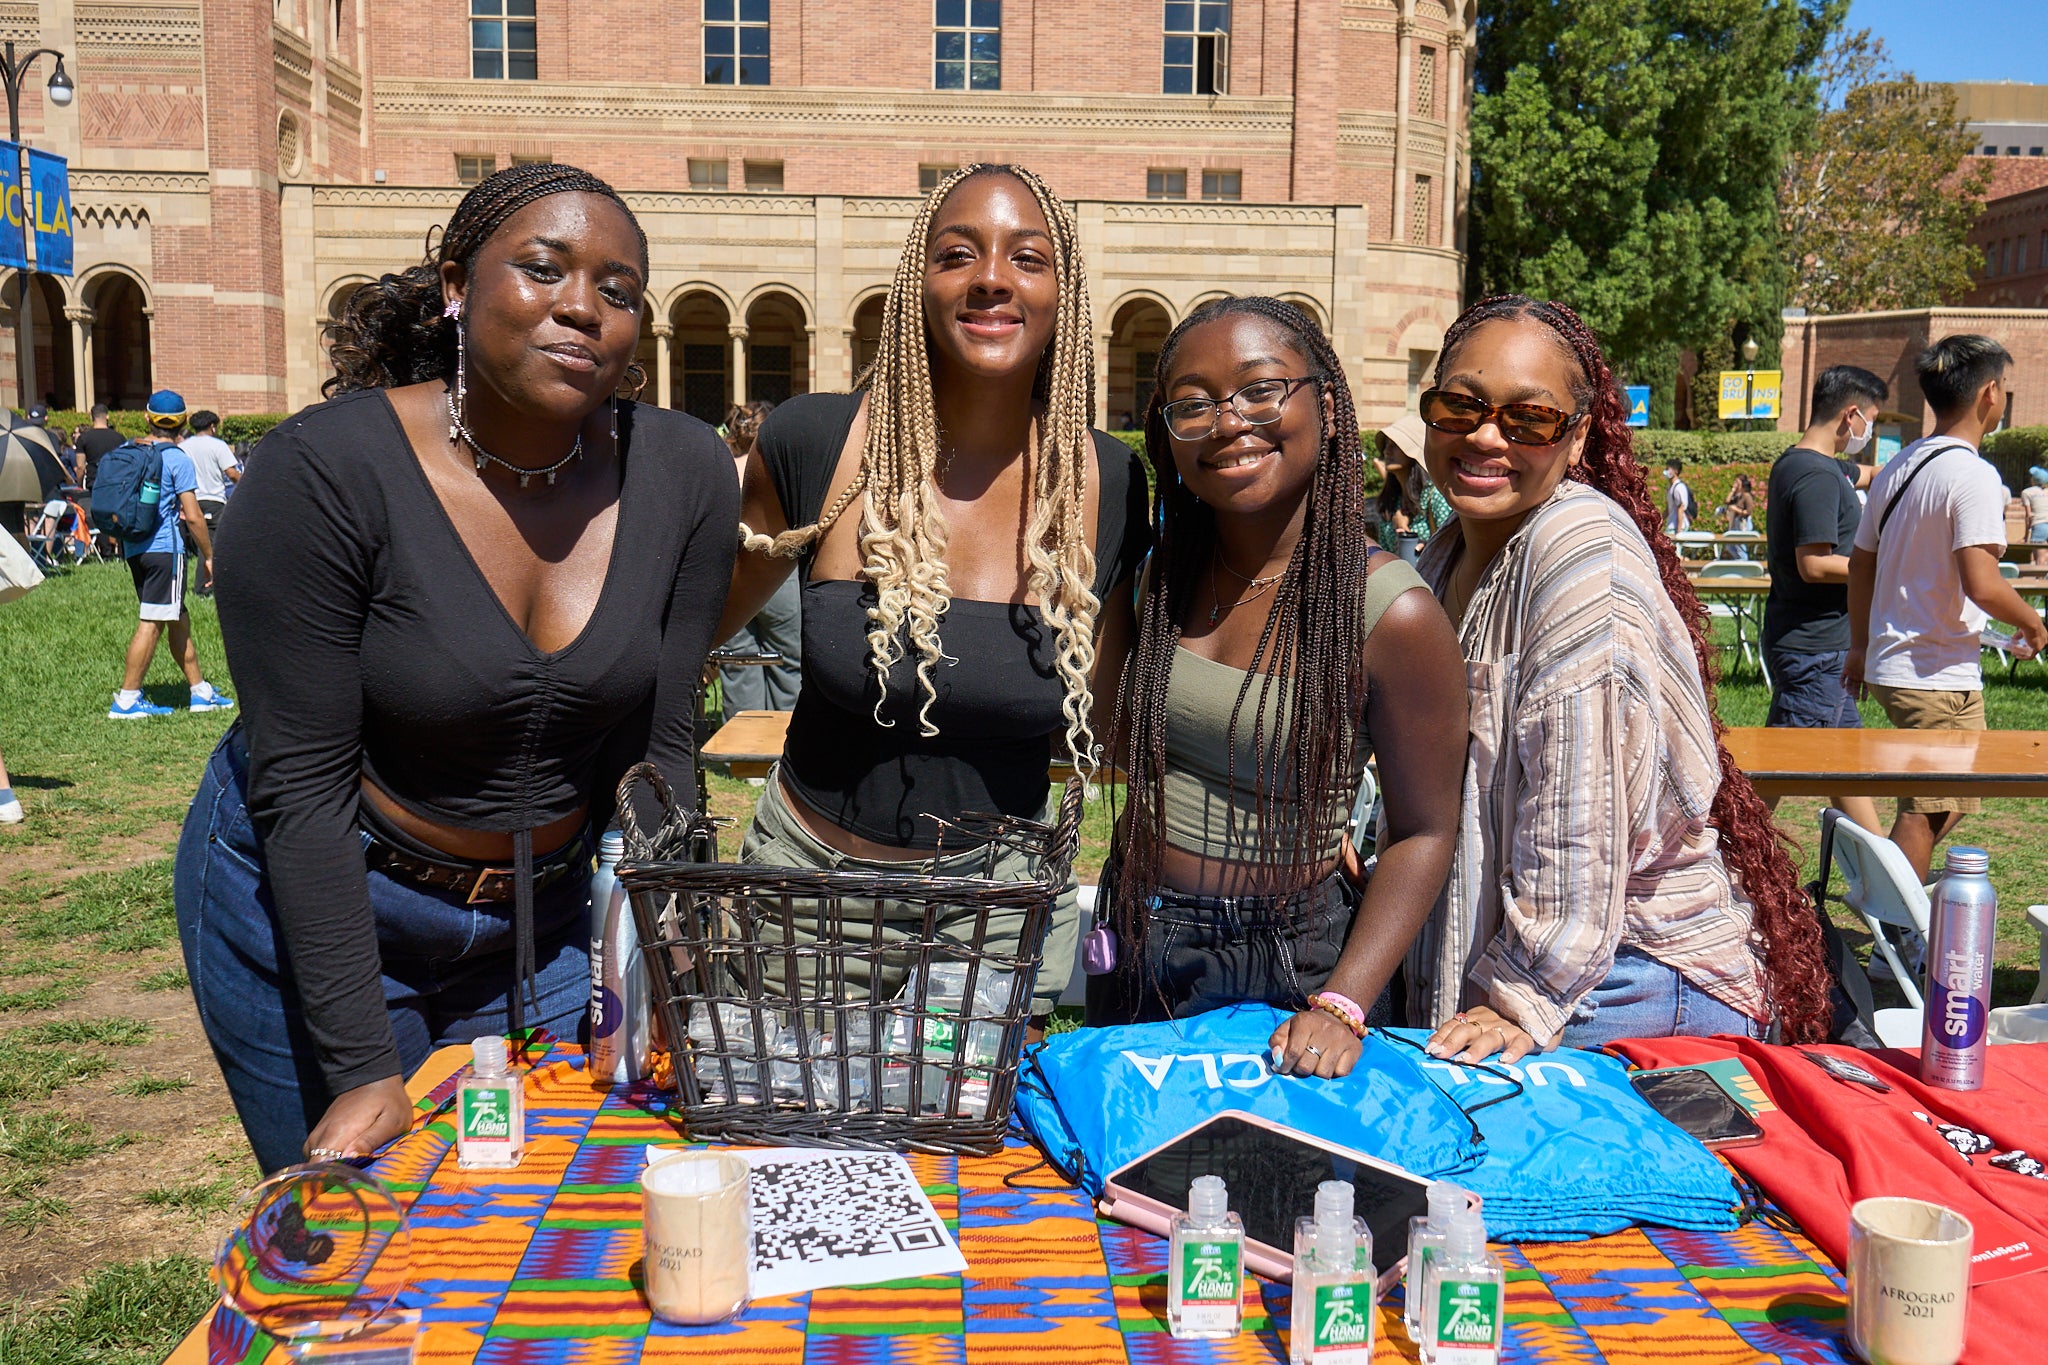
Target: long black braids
x,y
392,332
1308,651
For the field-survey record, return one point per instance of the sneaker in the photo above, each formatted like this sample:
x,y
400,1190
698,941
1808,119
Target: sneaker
x,y
10,812
216,701
142,709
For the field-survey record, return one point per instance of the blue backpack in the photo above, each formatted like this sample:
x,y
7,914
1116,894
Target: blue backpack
x,y
1097,1099
125,492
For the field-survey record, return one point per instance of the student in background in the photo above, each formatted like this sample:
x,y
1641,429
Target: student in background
x,y
215,468
1808,535
2035,497
1677,498
96,441
1924,575
778,628
1739,510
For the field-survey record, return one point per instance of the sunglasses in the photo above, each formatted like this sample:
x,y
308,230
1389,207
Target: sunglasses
x,y
1525,424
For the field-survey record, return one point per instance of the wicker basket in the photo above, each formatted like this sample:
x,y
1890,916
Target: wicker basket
x,y
762,985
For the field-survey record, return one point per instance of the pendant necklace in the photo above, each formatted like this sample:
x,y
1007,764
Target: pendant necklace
x,y
458,430
1258,587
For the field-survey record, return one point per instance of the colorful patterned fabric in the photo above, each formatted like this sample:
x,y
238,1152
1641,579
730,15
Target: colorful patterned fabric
x,y
539,1266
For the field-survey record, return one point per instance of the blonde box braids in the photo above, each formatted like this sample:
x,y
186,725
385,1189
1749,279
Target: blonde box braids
x,y
903,531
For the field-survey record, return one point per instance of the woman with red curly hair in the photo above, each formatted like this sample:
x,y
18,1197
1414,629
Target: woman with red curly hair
x,y
1616,876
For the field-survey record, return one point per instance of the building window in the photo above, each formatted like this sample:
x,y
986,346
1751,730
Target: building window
x,y
523,159
1166,184
1990,260
1991,151
967,44
1146,367
2019,255
1197,47
764,177
501,46
768,373
928,177
471,170
2012,151
1227,186
707,173
704,381
1425,83
1418,214
735,42
2033,151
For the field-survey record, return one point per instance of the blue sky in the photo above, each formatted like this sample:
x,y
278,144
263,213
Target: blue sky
x,y
1961,40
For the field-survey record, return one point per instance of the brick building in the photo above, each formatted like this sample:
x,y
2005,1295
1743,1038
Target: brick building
x,y
1887,344
2012,232
240,165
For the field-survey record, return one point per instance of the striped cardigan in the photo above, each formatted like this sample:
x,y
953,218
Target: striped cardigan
x,y
1590,773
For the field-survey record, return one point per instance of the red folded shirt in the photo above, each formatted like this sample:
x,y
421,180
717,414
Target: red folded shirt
x,y
1832,1142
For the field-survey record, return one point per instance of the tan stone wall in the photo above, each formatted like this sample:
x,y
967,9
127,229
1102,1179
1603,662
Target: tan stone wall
x,y
1888,343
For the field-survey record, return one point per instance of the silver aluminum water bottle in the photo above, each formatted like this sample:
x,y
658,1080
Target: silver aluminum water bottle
x,y
1960,939
614,953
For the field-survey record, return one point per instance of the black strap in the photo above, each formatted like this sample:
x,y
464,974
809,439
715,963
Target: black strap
x,y
1892,503
523,950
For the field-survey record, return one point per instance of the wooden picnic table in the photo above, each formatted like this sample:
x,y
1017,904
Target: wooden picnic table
x,y
750,743
1787,762
1759,585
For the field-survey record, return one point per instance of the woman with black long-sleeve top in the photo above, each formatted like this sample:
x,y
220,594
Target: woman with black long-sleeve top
x,y
459,600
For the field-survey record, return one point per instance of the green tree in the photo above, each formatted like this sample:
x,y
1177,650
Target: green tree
x,y
1876,208
1627,158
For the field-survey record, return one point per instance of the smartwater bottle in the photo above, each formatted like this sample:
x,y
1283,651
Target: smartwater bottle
x,y
619,994
1960,939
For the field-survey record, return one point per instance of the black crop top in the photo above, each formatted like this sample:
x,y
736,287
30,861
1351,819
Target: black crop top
x,y
364,639
998,708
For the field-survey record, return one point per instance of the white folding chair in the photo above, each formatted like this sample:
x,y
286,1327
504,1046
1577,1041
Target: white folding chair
x,y
2037,915
1739,612
1879,885
2008,569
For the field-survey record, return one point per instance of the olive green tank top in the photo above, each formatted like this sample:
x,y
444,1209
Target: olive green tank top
x,y
1203,815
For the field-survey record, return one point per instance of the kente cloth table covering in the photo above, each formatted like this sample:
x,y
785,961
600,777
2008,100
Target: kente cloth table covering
x,y
540,1265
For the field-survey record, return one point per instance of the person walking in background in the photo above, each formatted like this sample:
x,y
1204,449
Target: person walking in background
x,y
96,440
214,467
778,628
158,567
1924,574
2035,496
1808,535
1678,503
1739,510
1410,509
10,807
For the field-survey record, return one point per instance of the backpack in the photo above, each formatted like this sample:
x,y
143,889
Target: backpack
x,y
125,493
1692,505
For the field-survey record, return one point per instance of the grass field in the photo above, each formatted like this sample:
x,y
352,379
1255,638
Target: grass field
x,y
120,1157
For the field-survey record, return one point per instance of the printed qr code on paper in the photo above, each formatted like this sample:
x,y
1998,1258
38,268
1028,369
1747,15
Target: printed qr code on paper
x,y
850,1206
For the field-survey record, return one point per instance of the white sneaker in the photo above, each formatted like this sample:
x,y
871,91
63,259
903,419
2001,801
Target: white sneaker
x,y
10,813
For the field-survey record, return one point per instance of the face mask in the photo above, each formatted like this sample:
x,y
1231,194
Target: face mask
x,y
1856,445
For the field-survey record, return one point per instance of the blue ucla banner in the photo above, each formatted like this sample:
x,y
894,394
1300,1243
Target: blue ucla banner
x,y
43,206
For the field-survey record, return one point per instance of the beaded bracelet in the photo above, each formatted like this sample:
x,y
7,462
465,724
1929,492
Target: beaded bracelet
x,y
1341,1008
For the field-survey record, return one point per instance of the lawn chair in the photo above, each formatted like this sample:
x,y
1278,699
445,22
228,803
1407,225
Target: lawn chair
x,y
1739,612
61,535
1879,885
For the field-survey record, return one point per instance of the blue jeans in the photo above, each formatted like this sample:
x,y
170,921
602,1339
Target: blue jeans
x,y
447,966
1807,691
1643,998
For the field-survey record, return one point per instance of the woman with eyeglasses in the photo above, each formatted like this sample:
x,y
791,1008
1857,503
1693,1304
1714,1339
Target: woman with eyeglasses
x,y
1277,650
1616,875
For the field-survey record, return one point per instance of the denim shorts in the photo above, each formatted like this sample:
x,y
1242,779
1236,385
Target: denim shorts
x,y
1807,691
447,967
1644,998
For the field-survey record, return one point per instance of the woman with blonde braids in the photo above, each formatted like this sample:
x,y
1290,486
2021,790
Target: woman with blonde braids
x,y
967,546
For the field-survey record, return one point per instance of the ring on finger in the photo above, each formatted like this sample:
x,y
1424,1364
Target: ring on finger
x,y
1313,1048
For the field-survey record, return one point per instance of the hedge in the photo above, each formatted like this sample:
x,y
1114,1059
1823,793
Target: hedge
x,y
2014,449
233,429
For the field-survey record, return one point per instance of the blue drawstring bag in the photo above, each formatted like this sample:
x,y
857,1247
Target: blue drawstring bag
x,y
1573,1152
1097,1099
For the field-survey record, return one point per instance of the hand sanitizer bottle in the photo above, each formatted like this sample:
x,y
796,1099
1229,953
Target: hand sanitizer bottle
x,y
490,1107
1333,1283
1425,1240
1205,1266
1463,1314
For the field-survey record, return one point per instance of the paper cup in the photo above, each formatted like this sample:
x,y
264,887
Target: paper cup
x,y
1909,1282
698,1228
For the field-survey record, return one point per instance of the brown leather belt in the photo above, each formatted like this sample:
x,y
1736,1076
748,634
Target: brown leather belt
x,y
476,883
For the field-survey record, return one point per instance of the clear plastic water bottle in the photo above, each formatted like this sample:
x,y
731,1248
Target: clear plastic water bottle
x,y
1959,946
619,989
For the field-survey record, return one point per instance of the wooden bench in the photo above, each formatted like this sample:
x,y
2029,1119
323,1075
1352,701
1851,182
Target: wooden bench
x,y
750,743
1874,762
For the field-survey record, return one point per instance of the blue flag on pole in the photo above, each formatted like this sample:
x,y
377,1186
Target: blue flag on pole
x,y
1638,404
43,207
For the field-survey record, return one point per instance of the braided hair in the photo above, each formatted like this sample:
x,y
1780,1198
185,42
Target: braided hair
x,y
1308,651
392,333
1786,931
903,530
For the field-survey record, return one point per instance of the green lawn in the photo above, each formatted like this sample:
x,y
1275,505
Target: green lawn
x,y
92,1010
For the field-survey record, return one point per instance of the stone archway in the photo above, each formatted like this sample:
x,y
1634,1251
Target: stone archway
x,y
867,333
121,361
778,349
56,370
1136,331
700,377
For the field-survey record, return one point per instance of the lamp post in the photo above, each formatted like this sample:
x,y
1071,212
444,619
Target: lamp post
x,y
15,70
1749,384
